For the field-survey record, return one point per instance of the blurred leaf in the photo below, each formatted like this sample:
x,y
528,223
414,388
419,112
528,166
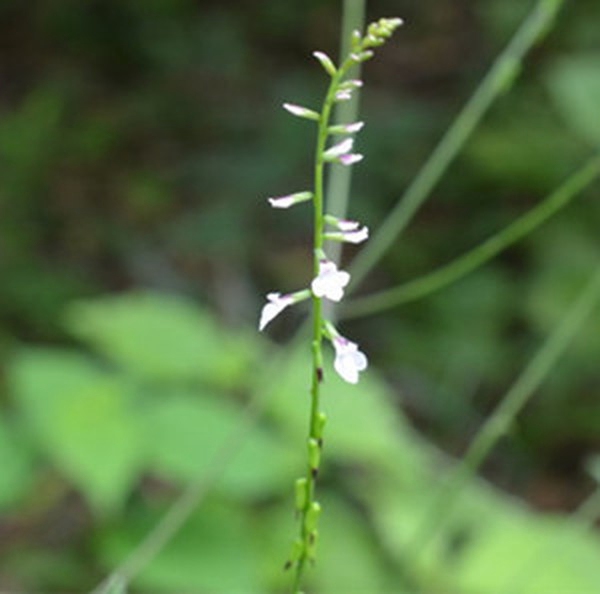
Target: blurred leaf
x,y
348,560
161,337
83,422
213,552
262,466
15,464
539,554
593,467
574,83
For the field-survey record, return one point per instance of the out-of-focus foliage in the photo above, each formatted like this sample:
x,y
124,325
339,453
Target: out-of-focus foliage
x,y
138,142
105,421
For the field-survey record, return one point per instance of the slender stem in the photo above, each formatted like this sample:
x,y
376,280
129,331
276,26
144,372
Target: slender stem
x,y
492,86
306,536
510,406
445,275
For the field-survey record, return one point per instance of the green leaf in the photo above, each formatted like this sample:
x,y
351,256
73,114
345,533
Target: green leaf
x,y
161,337
194,430
213,552
83,421
574,84
16,466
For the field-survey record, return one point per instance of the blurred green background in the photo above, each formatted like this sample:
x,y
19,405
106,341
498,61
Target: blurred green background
x,y
139,140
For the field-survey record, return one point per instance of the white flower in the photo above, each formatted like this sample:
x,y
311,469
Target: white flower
x,y
346,128
351,158
343,95
340,153
277,303
350,236
330,281
339,149
347,225
349,361
326,62
290,199
301,112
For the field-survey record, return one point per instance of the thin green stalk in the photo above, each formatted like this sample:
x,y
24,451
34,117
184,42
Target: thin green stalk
x,y
510,406
308,534
445,275
493,85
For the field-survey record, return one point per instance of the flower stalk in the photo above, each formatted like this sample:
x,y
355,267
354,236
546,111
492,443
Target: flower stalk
x,y
328,282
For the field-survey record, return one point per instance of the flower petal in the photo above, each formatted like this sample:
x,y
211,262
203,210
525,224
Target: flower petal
x,y
276,304
349,361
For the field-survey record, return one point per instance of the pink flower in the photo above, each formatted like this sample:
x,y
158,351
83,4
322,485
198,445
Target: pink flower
x,y
349,361
330,281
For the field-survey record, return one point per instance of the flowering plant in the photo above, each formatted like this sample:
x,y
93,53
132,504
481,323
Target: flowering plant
x,y
328,282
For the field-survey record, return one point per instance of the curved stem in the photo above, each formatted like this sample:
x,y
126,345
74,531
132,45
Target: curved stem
x,y
493,85
445,275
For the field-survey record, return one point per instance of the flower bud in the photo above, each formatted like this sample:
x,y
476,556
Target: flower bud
x,y
302,112
326,62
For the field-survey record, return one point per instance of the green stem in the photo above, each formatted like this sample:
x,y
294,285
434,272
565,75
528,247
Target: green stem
x,y
492,86
510,406
445,275
307,536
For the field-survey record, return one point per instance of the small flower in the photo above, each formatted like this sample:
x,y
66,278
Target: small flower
x,y
347,225
353,236
290,199
340,153
339,149
351,158
330,281
326,62
354,83
344,95
302,112
349,361
346,128
277,303
362,56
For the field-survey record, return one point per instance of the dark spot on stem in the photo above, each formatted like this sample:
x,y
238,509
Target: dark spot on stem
x,y
314,472
320,442
320,375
